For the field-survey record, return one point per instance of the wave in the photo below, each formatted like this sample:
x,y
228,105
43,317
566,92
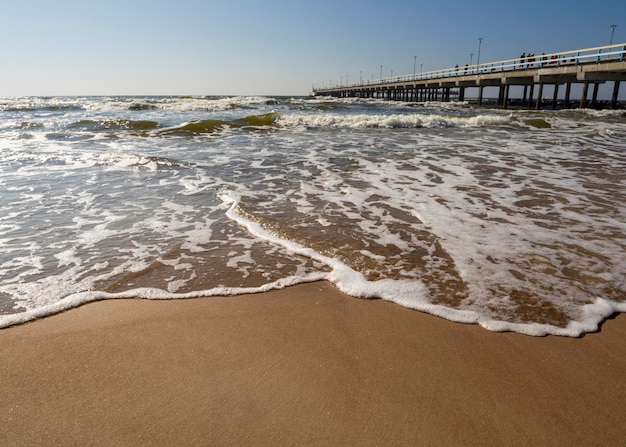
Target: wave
x,y
89,128
114,125
268,119
406,292
25,125
34,108
391,121
194,127
600,115
41,104
212,125
179,103
80,298
148,128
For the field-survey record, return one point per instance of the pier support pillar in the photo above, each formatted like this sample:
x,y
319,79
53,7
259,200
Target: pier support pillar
x,y
505,97
480,95
461,94
539,95
615,94
583,97
555,96
530,95
524,95
594,97
568,90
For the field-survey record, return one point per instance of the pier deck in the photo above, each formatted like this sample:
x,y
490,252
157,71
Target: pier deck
x,y
587,67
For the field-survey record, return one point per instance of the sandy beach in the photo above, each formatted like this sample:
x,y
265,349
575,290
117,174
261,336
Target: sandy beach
x,y
305,365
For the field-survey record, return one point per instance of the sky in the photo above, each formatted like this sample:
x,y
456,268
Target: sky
x,y
273,47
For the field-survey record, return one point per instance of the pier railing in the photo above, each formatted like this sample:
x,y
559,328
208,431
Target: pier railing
x,y
575,57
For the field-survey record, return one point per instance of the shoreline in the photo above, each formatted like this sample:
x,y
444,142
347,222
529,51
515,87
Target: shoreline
x,y
305,365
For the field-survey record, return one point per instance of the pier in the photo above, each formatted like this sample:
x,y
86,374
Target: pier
x,y
588,68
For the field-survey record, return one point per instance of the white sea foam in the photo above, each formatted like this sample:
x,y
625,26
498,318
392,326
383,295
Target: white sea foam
x,y
182,104
498,204
73,300
411,294
390,121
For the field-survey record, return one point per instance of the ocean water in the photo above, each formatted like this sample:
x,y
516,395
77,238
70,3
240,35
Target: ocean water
x,y
514,220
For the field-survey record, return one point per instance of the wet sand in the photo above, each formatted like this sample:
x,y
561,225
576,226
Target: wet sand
x,y
301,366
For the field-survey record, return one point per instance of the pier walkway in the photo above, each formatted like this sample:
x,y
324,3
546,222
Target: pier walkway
x,y
587,67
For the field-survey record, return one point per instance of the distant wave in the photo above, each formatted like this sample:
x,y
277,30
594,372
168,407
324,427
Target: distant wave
x,y
181,103
12,107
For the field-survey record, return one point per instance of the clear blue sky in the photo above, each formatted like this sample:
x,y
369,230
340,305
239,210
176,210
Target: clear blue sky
x,y
273,47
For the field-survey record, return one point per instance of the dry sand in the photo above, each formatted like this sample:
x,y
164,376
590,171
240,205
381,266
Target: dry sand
x,y
302,366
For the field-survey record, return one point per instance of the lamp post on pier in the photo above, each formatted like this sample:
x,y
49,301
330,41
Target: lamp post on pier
x,y
414,64
612,32
480,41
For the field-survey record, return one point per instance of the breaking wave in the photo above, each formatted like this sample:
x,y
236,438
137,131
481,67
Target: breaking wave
x,y
391,121
212,125
179,103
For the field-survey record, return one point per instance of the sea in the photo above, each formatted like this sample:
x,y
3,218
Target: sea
x,y
511,219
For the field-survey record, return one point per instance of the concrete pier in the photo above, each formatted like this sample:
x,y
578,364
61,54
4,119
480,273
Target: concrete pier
x,y
593,66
